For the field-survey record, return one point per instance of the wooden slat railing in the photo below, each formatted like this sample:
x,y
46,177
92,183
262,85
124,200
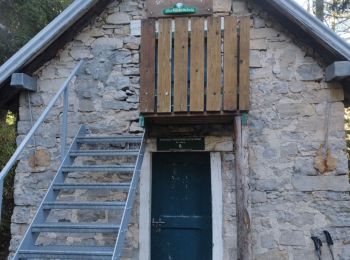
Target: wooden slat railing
x,y
196,65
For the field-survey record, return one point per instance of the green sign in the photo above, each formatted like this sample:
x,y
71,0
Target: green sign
x,y
180,8
171,144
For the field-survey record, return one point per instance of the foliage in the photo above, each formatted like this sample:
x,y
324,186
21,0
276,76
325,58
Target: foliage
x,y
20,20
337,16
334,13
7,147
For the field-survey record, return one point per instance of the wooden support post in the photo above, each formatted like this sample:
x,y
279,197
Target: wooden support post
x,y
242,204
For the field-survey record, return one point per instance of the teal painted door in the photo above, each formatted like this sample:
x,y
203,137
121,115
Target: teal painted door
x,y
181,207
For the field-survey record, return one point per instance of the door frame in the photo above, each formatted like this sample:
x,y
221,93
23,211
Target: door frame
x,y
145,205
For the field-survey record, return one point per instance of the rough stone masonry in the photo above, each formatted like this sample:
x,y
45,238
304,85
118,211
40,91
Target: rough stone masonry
x,y
289,199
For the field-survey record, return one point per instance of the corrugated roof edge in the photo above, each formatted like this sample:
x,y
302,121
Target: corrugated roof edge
x,y
314,26
45,37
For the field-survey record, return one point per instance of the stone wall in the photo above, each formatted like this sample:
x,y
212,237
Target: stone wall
x,y
289,199
104,96
229,206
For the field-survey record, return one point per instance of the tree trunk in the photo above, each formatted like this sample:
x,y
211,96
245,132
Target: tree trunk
x,y
319,4
3,115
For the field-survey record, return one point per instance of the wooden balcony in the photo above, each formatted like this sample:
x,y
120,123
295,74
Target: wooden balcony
x,y
194,70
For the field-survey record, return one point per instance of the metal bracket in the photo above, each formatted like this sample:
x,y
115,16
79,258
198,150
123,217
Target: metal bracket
x,y
142,121
338,70
23,81
244,118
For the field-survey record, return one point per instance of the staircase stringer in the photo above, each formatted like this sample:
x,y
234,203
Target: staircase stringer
x,y
129,203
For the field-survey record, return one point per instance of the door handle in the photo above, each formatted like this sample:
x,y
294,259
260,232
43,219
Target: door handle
x,y
159,222
157,225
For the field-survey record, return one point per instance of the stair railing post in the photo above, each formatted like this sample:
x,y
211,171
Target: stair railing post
x,y
64,126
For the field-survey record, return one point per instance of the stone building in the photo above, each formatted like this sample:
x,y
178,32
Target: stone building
x,y
277,168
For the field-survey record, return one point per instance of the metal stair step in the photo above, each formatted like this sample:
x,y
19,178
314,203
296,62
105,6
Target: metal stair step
x,y
104,153
109,139
83,205
28,248
64,227
68,252
91,186
100,168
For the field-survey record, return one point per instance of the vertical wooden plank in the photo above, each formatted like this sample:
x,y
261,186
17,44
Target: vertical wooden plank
x,y
180,64
230,63
244,240
197,65
214,96
244,46
147,66
164,66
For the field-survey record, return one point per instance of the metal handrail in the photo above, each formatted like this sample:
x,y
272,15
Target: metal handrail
x,y
14,157
118,248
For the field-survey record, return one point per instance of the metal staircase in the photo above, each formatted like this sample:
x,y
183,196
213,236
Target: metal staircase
x,y
122,147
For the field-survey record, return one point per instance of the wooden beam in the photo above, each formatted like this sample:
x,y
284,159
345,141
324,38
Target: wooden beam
x,y
244,240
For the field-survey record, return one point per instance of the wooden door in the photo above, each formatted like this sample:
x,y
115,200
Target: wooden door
x,y
181,207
